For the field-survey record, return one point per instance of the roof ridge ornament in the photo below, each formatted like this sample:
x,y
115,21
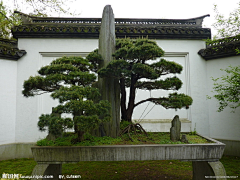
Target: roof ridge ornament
x,y
199,19
202,17
25,17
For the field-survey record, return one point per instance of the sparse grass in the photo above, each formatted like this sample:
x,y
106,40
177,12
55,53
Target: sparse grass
x,y
152,138
127,170
21,166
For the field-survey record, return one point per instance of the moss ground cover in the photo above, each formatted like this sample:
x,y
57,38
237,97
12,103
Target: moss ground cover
x,y
152,138
154,170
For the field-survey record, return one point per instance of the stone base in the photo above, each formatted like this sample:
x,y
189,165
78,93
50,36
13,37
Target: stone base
x,y
232,147
205,157
46,171
208,170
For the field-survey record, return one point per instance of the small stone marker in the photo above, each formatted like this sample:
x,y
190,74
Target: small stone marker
x,y
175,129
184,138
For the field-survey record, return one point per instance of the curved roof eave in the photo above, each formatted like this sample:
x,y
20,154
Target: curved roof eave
x,y
9,50
221,48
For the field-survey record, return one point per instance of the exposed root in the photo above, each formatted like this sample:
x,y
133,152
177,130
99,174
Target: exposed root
x,y
134,128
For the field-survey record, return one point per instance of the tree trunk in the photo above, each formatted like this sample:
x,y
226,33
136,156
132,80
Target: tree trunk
x,y
76,128
80,137
123,99
131,101
79,133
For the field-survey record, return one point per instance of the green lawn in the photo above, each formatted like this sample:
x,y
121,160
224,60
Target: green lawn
x,y
127,170
139,138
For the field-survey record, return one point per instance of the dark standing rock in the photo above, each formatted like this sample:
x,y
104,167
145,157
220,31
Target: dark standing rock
x,y
109,87
184,138
175,129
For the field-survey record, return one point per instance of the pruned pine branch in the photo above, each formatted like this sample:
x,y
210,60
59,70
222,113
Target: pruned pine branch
x,y
172,83
175,101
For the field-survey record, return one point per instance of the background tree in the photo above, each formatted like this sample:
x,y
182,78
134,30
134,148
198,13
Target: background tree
x,y
227,88
227,26
136,67
43,8
7,21
69,80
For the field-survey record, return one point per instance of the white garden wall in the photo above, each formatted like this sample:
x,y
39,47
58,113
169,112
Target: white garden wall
x,y
19,115
45,50
223,125
8,81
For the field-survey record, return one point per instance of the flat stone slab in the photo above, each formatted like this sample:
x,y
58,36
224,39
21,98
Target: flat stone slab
x,y
71,154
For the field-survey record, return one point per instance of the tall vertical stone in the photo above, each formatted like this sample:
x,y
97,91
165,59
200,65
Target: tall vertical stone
x,y
109,87
175,130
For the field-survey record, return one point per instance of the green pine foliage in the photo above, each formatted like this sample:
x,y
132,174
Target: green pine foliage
x,y
55,124
69,79
95,60
138,65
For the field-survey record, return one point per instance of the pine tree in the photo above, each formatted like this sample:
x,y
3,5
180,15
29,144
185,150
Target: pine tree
x,y
69,80
137,66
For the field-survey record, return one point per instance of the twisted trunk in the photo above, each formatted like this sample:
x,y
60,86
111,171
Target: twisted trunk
x,y
78,131
127,114
123,99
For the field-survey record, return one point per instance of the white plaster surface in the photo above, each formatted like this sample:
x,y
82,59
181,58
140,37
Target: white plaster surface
x,y
8,78
225,124
163,125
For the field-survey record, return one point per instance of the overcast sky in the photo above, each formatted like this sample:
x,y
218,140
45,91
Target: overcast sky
x,y
168,9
